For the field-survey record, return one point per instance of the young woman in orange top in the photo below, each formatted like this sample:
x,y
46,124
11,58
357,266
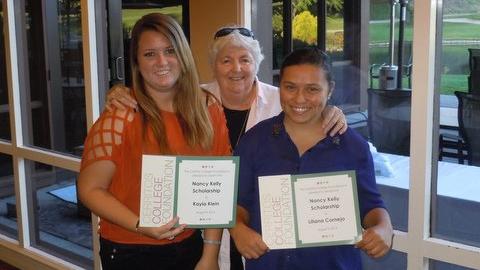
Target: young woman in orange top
x,y
175,117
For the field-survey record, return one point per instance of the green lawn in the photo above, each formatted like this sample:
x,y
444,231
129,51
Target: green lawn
x,y
461,30
380,32
334,24
130,16
453,82
473,16
454,58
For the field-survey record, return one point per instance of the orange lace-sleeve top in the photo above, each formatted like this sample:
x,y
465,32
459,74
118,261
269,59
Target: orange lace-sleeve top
x,y
119,136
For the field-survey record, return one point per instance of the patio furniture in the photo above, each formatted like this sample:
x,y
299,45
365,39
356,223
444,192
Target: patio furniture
x,y
469,124
474,78
389,120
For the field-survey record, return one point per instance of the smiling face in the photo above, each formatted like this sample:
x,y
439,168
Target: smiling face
x,y
304,92
157,62
235,73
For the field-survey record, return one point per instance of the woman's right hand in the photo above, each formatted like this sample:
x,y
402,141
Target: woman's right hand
x,y
248,242
166,231
118,97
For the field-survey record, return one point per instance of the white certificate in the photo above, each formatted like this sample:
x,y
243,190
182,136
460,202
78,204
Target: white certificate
x,y
202,191
309,210
276,211
157,194
207,196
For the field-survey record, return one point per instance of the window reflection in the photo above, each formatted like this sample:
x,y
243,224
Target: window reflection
x,y
4,109
277,33
56,95
389,103
379,40
60,225
438,265
8,212
329,26
456,215
132,11
303,28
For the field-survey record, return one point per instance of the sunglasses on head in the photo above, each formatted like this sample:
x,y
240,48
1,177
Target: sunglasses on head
x,y
227,30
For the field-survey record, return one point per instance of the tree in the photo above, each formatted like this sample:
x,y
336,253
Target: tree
x,y
302,5
305,27
334,7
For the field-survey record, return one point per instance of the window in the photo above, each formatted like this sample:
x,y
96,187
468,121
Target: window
x,y
438,265
457,187
389,111
59,224
4,113
54,95
330,26
51,93
8,218
122,17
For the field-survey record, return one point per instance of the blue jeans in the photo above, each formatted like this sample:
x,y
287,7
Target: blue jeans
x,y
176,256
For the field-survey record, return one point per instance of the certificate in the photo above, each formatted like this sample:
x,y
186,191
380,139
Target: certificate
x,y
309,210
202,191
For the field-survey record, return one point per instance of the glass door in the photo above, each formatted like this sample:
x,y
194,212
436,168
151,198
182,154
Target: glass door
x,y
122,15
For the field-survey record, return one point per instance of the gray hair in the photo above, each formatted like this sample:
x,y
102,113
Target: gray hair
x,y
238,40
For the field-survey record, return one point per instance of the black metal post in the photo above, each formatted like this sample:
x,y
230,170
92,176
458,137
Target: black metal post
x,y
322,25
401,34
287,27
391,48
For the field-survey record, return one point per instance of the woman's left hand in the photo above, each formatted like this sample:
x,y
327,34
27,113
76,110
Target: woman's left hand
x,y
118,97
376,241
334,120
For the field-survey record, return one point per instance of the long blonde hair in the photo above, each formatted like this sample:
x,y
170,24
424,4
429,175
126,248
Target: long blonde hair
x,y
190,107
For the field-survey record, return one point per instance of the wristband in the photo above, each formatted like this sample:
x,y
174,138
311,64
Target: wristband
x,y
212,242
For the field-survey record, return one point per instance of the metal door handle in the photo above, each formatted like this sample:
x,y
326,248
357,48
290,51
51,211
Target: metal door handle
x,y
118,73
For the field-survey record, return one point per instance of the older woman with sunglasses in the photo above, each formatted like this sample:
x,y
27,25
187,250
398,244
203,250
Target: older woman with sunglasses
x,y
235,56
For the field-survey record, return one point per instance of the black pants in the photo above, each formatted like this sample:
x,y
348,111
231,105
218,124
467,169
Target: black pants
x,y
177,256
235,257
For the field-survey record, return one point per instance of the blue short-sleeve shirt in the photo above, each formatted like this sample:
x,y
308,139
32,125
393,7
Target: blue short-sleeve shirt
x,y
267,149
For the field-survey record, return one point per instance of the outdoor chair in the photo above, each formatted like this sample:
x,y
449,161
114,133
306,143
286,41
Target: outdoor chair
x,y
389,120
469,124
474,77
453,142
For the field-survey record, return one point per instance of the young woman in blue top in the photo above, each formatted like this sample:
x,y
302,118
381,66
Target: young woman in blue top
x,y
294,142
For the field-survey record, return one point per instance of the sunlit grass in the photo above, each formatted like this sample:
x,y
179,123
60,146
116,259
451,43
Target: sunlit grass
x,y
453,82
130,16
